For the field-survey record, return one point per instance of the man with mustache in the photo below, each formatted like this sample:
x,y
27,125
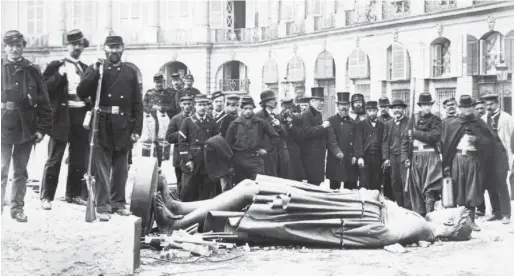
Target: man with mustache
x,y
26,117
479,106
120,124
392,148
341,157
188,89
450,106
383,108
358,113
62,79
303,103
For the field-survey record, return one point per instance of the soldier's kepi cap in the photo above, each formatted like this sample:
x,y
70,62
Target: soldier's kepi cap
x,y
189,77
450,99
383,102
217,94
76,36
186,98
175,76
113,40
14,36
490,97
158,77
201,98
478,101
357,97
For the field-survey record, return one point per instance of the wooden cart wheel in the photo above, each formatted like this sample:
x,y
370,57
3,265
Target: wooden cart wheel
x,y
145,187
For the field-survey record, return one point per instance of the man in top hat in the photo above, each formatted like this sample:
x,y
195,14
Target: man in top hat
x,y
62,79
394,130
230,114
246,136
303,103
172,136
502,125
313,136
368,148
425,181
358,113
188,88
26,117
383,108
479,105
268,104
195,130
450,106
467,144
341,157
120,124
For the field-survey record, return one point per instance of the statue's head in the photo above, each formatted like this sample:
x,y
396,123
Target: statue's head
x,y
451,224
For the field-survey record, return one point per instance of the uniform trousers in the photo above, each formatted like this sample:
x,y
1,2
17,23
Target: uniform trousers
x,y
20,154
496,186
247,165
111,171
197,187
467,184
425,181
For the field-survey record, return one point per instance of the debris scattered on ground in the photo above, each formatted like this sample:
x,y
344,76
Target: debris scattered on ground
x,y
424,244
395,248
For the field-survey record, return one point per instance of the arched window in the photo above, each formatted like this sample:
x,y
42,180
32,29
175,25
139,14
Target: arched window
x,y
358,65
325,66
440,57
295,70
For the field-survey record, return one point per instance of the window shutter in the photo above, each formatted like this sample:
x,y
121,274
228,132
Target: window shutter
x,y
509,51
353,63
270,74
363,64
329,66
437,54
456,54
216,15
482,55
472,55
398,62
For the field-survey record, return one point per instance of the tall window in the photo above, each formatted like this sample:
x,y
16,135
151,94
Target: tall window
x,y
287,10
35,17
82,17
322,7
441,57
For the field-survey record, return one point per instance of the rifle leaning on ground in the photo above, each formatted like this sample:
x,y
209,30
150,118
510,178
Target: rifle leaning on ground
x,y
410,130
88,177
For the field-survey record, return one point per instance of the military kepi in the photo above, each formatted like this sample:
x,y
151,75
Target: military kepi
x,y
317,93
247,100
201,98
14,36
357,97
113,40
158,77
217,94
343,97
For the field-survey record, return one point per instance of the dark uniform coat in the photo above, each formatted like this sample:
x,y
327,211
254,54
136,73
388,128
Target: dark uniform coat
x,y
223,121
313,145
58,94
24,87
120,87
164,98
192,92
340,140
172,136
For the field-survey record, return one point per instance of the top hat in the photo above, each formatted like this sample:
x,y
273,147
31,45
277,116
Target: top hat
x,y
343,97
201,98
186,98
465,101
357,97
371,105
490,97
425,98
478,101
450,99
267,95
189,77
75,36
158,77
383,102
175,75
246,100
113,40
398,102
217,94
14,36
317,93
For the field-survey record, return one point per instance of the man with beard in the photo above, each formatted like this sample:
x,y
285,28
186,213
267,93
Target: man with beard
x,y
172,135
26,117
425,182
392,149
120,124
383,106
479,106
369,134
357,113
341,157
450,106
466,143
502,125
231,114
188,89
62,79
246,136
313,136
268,105
291,119
195,130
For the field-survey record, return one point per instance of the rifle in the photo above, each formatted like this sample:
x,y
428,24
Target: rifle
x,y
412,120
88,177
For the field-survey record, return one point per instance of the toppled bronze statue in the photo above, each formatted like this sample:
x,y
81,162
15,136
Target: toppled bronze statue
x,y
288,212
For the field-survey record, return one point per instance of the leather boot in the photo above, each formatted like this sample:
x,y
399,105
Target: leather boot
x,y
474,227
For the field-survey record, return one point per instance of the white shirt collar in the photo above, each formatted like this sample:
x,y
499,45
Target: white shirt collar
x,y
72,59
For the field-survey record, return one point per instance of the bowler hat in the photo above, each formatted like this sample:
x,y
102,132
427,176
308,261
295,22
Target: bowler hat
x,y
343,97
303,100
383,102
201,98
13,36
158,77
189,77
217,94
175,75
478,101
450,99
113,40
357,97
490,97
75,36
246,100
317,93
267,95
465,101
371,105
186,98
425,98
398,102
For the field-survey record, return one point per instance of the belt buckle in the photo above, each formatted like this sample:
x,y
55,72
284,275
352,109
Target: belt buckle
x,y
464,152
115,109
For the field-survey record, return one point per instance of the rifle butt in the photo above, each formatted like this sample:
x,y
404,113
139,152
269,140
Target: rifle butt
x,y
90,208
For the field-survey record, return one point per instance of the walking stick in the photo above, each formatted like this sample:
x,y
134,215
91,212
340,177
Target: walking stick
x,y
411,123
88,177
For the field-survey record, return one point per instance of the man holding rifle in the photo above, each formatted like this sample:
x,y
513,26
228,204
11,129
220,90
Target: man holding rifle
x,y
120,120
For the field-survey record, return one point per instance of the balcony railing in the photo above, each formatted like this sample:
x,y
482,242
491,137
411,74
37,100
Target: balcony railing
x,y
235,85
270,32
324,22
363,13
439,5
395,9
440,68
236,35
175,36
37,41
294,28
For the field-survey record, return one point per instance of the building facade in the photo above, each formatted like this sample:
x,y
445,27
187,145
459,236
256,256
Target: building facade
x,y
374,47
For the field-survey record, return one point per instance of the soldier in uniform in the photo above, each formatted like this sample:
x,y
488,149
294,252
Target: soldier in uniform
x,y
26,117
383,106
62,79
341,157
246,136
218,104
425,182
368,148
195,130
450,106
479,105
172,135
392,148
119,125
313,136
358,113
188,89
230,114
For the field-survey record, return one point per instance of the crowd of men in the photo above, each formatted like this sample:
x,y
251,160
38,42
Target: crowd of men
x,y
219,140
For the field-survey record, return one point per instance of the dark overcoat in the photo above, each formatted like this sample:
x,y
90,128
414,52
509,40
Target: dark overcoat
x,y
172,136
164,98
340,140
293,147
363,134
313,145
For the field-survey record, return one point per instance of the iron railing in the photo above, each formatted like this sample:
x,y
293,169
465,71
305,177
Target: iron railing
x,y
362,13
235,85
440,68
395,9
439,5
